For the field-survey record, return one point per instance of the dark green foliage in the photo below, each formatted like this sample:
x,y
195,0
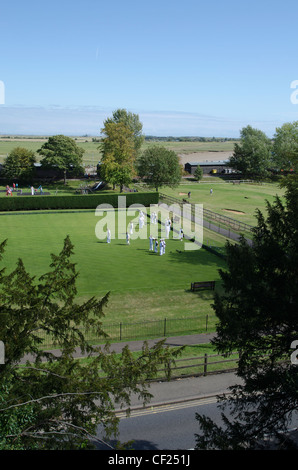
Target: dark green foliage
x,y
198,174
19,166
253,154
61,152
258,317
285,146
90,201
159,167
49,399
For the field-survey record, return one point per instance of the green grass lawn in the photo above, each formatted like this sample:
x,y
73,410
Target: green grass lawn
x,y
143,285
236,201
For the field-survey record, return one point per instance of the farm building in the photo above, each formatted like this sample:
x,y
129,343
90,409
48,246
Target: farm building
x,y
211,167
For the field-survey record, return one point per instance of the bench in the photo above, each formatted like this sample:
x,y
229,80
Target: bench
x,y
202,285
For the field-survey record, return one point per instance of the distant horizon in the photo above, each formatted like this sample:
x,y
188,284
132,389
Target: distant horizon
x,y
18,135
89,120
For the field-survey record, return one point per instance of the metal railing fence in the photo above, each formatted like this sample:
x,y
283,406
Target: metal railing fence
x,y
121,331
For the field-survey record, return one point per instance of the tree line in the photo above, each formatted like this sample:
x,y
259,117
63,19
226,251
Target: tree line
x,y
254,155
258,155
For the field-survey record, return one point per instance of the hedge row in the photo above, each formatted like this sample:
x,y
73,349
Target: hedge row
x,y
86,201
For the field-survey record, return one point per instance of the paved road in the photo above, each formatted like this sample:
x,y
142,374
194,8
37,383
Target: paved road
x,y
137,345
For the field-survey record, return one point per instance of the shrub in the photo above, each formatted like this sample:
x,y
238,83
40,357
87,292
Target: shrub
x,y
23,203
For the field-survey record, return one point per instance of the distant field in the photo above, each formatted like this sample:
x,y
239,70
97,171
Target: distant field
x,y
92,154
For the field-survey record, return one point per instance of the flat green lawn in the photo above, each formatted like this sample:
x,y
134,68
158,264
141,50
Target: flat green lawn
x,y
238,201
143,285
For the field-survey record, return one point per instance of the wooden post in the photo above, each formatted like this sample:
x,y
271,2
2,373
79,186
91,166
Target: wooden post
x,y
205,363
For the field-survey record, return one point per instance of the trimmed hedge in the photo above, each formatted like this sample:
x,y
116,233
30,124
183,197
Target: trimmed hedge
x,y
85,201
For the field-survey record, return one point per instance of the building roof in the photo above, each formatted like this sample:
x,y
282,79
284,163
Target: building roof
x,y
208,163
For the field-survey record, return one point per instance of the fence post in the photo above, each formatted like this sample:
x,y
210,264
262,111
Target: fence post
x,y
165,327
205,363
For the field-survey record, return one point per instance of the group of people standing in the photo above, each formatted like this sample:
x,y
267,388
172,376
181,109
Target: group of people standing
x,y
15,187
154,243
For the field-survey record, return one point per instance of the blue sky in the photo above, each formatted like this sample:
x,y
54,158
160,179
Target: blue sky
x,y
187,68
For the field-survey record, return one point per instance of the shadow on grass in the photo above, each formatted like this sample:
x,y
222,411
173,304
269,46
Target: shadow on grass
x,y
199,257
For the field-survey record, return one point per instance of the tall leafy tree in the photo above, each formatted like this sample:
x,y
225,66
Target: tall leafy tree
x,y
51,400
132,121
118,154
61,152
159,166
19,165
257,316
253,154
285,147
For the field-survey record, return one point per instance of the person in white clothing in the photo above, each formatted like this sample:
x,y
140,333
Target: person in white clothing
x,y
151,239
168,227
109,236
141,219
127,238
